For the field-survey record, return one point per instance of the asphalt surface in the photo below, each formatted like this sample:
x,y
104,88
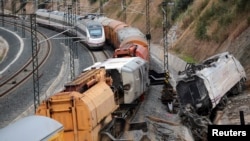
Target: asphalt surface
x,y
52,78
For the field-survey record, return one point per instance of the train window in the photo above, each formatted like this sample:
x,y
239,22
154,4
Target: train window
x,y
96,32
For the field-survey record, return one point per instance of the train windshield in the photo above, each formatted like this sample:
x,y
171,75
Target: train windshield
x,y
95,32
192,92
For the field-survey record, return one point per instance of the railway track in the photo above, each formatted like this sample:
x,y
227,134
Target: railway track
x,y
99,56
24,73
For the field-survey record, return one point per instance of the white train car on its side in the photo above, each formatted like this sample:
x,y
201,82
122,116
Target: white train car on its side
x,y
130,76
89,32
205,85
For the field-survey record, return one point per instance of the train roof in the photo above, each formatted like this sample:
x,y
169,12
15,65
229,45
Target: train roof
x,y
90,23
103,20
42,10
31,128
217,63
119,63
129,32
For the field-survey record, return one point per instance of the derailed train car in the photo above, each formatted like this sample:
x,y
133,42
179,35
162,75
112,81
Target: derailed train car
x,y
130,76
206,85
91,107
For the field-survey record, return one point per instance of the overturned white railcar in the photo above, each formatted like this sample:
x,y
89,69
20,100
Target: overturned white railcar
x,y
205,85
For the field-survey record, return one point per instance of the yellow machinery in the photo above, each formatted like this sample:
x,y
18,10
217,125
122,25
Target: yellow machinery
x,y
84,107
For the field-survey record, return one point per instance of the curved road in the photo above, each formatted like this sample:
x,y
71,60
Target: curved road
x,y
52,74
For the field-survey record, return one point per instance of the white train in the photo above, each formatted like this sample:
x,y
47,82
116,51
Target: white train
x,y
89,32
130,76
206,85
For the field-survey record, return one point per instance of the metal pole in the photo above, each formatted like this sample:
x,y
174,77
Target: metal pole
x,y
35,61
57,5
78,3
2,5
64,3
148,35
164,29
35,5
23,22
71,44
101,7
75,49
165,32
124,8
52,4
242,120
65,19
13,4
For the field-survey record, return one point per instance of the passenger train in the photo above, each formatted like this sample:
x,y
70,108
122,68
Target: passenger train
x,y
89,32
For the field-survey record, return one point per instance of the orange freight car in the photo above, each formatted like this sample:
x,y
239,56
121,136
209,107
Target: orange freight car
x,y
114,27
82,115
128,41
133,39
105,22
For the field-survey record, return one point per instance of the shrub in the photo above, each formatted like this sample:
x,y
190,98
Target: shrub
x,y
92,1
225,20
201,30
180,6
242,5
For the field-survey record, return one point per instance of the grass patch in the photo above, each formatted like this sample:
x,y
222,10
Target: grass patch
x,y
201,30
224,13
188,59
184,57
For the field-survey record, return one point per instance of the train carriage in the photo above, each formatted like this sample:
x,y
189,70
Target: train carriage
x,y
132,38
114,27
203,86
91,33
88,31
127,41
130,75
105,22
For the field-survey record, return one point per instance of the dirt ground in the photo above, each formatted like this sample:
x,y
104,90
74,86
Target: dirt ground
x,y
231,114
